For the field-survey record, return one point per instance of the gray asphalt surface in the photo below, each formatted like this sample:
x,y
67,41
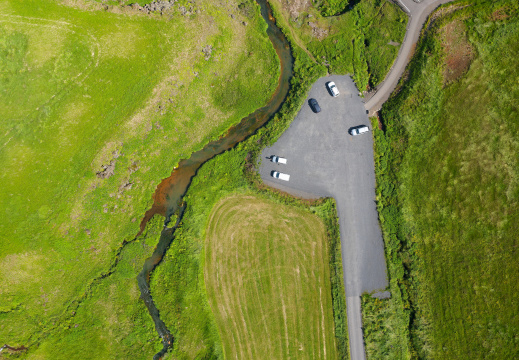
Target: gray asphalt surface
x,y
324,160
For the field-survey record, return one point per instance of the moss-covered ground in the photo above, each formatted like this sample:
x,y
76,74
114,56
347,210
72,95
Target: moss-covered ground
x,y
448,193
96,107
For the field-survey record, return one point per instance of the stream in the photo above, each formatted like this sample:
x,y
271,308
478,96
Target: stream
x,y
167,199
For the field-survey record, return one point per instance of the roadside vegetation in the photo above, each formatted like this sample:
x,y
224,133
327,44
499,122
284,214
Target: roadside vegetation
x,y
97,106
448,194
361,38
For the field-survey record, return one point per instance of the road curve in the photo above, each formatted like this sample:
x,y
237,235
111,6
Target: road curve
x,y
418,13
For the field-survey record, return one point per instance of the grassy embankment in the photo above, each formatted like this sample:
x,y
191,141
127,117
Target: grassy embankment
x,y
448,193
362,40
268,280
178,285
86,88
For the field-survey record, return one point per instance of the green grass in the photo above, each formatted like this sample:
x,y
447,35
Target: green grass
x,y
82,88
448,196
178,285
265,266
381,334
357,41
110,320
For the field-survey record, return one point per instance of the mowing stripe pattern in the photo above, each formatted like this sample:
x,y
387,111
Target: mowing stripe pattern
x,y
268,281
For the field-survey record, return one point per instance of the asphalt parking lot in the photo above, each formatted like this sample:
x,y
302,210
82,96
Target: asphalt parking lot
x,y
324,160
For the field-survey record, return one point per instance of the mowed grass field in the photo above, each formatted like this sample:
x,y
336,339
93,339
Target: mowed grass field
x,y
268,280
452,142
82,90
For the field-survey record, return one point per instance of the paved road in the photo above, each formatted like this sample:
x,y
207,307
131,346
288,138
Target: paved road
x,y
324,160
418,13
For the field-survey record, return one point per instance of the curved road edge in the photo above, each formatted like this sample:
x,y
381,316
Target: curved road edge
x,y
418,14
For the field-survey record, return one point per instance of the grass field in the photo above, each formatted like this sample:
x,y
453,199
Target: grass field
x,y
96,108
268,281
362,40
448,192
177,284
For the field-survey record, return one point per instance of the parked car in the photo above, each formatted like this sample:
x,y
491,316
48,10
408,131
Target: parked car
x,y
278,159
358,130
332,88
314,105
280,175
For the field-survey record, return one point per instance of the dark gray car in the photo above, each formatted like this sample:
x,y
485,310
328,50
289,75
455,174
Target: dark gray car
x,y
314,105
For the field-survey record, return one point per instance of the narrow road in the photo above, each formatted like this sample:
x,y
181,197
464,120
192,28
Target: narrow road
x,y
418,13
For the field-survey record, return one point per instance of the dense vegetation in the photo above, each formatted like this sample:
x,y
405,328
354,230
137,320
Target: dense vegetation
x,y
363,41
96,108
268,280
448,194
331,7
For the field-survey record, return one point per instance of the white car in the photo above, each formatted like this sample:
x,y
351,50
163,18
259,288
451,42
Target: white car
x,y
359,130
333,88
278,160
279,175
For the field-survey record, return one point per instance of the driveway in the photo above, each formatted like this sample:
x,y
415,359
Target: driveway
x,y
324,160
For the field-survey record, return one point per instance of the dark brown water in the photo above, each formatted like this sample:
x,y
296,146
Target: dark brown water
x,y
167,199
20,348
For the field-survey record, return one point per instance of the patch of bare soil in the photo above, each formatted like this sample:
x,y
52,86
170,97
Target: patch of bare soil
x,y
108,170
317,32
500,14
296,7
457,49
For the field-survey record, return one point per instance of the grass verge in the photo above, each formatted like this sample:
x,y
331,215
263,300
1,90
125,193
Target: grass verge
x,y
447,193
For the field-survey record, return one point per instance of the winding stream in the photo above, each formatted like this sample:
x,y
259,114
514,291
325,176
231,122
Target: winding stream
x,y
167,199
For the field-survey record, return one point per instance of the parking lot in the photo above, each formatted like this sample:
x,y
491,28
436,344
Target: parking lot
x,y
324,160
